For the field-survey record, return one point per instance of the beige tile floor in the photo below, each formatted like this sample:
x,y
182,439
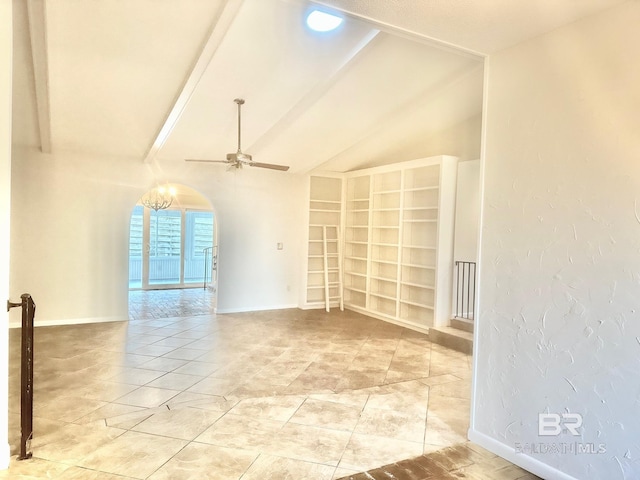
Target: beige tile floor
x,y
264,395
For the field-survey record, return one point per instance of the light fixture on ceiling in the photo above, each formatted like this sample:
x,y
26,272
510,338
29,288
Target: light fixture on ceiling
x,y
159,198
321,21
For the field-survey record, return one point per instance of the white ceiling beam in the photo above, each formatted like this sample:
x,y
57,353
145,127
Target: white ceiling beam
x,y
313,95
218,31
36,10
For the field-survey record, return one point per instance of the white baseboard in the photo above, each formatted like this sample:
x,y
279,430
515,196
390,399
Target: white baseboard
x,y
386,318
507,452
70,321
5,456
319,306
255,309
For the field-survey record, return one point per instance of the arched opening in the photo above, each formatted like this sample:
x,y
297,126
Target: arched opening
x,y
173,256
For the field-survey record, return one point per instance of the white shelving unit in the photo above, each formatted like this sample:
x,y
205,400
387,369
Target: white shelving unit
x,y
397,254
325,214
356,242
419,244
398,259
386,206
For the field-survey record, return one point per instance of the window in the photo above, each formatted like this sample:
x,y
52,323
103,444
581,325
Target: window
x,y
199,233
169,247
165,233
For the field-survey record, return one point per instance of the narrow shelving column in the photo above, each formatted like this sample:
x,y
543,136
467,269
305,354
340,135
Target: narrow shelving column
x,y
325,205
419,245
385,230
356,241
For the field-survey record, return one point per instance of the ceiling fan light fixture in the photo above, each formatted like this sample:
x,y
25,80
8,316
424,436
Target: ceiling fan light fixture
x,y
238,159
320,21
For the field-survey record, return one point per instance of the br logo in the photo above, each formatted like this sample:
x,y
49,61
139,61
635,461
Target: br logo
x,y
553,424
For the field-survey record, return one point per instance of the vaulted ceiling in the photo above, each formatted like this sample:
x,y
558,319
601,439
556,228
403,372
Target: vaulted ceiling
x,y
154,80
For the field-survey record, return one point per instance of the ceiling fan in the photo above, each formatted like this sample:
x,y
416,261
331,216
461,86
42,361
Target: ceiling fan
x,y
238,159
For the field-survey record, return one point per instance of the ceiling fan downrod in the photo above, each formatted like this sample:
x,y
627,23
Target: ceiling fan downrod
x,y
238,159
239,102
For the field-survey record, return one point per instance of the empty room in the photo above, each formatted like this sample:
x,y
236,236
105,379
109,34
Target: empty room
x,y
299,239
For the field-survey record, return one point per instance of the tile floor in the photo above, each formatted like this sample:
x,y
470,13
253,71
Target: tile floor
x,y
146,304
462,461
286,394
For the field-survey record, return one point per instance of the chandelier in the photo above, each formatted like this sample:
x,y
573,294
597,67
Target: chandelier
x,y
158,198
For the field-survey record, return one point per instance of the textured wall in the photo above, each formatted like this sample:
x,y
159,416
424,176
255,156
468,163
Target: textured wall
x,y
559,327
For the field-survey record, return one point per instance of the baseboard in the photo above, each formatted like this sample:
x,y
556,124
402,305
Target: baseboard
x,y
255,309
319,306
389,319
5,456
70,321
531,464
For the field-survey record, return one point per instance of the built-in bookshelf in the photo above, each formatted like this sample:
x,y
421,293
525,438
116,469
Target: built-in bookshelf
x,y
386,206
397,254
418,259
325,210
398,241
356,241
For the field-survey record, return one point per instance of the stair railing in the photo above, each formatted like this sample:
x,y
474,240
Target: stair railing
x,y
465,290
26,374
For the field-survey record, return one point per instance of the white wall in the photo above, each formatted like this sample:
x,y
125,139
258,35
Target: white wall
x,y
559,326
467,211
461,140
257,209
70,232
465,239
5,216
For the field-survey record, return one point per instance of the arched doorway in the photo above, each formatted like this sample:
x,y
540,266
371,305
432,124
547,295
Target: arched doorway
x,y
173,256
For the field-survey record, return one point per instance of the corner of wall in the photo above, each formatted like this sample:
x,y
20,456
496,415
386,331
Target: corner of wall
x,y
522,460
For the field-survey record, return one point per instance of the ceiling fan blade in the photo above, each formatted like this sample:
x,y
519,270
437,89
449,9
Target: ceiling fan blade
x,y
205,161
238,159
268,165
